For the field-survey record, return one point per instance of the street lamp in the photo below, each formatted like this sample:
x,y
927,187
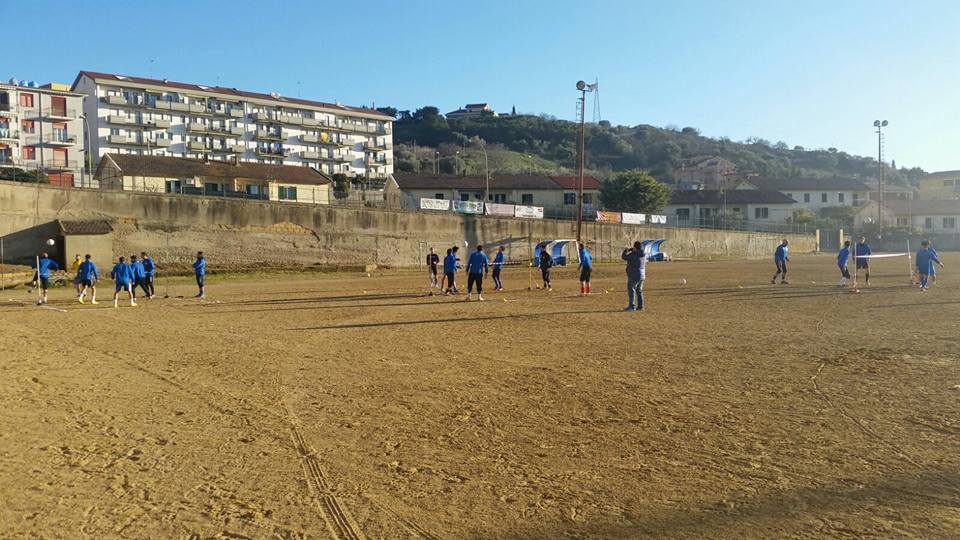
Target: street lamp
x,y
880,124
583,88
486,168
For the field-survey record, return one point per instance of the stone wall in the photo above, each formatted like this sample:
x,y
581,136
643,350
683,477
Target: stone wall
x,y
238,233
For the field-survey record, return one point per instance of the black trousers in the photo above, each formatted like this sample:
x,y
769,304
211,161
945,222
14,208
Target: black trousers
x,y
475,278
147,285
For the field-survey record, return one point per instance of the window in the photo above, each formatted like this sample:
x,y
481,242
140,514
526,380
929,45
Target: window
x,y
287,193
588,198
948,183
856,198
29,153
438,196
903,222
823,197
761,213
569,198
840,197
211,187
478,196
174,186
499,197
707,213
949,223
28,126
928,223
683,214
26,100
464,197
806,197
526,198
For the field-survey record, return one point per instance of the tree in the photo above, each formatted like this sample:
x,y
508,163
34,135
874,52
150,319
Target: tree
x,y
803,216
341,186
389,111
634,191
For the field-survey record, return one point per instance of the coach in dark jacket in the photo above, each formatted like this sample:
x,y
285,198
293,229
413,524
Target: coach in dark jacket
x,y
636,273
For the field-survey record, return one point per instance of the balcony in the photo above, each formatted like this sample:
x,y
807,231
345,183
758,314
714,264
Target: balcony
x,y
162,143
277,153
197,146
237,112
332,127
116,100
270,135
59,113
61,164
171,106
198,108
311,156
52,139
375,147
310,122
7,133
309,139
229,149
125,140
118,120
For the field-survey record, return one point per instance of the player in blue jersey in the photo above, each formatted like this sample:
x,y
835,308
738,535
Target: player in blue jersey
x,y
586,269
781,256
498,261
478,264
842,258
926,258
862,253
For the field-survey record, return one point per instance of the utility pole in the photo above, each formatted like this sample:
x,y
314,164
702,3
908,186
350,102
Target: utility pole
x,y
880,125
583,88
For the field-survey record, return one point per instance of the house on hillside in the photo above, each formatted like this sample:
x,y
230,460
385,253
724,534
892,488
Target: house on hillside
x,y
166,174
471,110
706,172
554,192
928,216
813,193
890,191
750,205
940,185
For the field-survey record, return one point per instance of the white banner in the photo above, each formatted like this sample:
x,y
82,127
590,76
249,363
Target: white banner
x,y
658,219
495,209
633,219
529,212
468,207
434,204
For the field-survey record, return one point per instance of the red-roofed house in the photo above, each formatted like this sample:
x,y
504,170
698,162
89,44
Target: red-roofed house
x,y
158,117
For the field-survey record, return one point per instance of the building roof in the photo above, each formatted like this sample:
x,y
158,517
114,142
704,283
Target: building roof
x,y
809,184
178,167
922,207
942,174
475,106
497,181
736,196
231,92
84,226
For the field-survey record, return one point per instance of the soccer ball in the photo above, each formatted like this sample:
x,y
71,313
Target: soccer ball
x,y
683,281
50,242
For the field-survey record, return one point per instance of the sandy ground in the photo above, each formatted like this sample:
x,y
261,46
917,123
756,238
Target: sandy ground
x,y
304,407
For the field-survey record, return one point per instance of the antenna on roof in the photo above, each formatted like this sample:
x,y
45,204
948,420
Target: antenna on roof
x,y
298,89
596,100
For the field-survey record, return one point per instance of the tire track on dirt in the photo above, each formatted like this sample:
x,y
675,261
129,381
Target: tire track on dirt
x,y
338,519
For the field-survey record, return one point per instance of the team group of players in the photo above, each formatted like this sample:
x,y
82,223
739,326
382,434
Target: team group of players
x,y
138,273
479,265
926,262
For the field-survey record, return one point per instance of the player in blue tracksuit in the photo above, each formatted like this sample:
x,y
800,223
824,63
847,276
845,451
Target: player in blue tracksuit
x,y
636,273
46,264
150,271
933,269
139,273
88,276
926,258
477,266
450,267
781,256
498,261
586,268
200,272
862,253
842,259
122,275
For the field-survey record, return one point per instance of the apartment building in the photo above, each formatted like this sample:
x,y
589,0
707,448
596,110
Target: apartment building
x,y
135,115
41,129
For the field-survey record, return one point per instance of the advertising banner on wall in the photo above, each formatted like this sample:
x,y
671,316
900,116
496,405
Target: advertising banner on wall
x,y
468,207
633,219
658,219
434,204
608,217
528,212
496,209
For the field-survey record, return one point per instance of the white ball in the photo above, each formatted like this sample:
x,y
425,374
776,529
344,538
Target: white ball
x,y
50,242
683,281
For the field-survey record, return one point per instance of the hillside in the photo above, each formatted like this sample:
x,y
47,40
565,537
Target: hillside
x,y
525,143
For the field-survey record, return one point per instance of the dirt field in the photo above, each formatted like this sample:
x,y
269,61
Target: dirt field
x,y
302,407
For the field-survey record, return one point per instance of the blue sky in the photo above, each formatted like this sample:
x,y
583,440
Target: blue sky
x,y
812,73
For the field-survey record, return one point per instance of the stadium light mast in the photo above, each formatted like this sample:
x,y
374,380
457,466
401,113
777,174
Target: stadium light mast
x,y
583,88
880,124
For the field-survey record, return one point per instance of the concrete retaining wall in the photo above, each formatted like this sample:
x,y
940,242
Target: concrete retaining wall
x,y
236,233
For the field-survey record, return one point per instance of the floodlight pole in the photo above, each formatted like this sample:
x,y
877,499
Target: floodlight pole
x,y
583,103
880,125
